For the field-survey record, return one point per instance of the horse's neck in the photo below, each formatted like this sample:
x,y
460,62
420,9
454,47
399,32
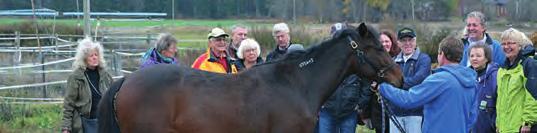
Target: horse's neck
x,y
320,74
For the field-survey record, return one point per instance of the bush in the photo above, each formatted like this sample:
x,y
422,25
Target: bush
x,y
428,40
299,35
28,27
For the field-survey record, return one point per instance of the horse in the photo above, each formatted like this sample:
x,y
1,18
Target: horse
x,y
281,96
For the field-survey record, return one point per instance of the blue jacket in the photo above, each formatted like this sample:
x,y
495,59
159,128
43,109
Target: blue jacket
x,y
447,97
415,70
486,98
486,86
498,56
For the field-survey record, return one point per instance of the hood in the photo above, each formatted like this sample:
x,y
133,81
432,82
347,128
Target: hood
x,y
492,68
464,75
528,50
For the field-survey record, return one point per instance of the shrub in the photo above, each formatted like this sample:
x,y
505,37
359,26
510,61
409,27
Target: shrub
x,y
428,40
299,35
28,27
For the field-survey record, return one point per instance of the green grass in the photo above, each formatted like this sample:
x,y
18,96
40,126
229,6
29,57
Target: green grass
x,y
26,118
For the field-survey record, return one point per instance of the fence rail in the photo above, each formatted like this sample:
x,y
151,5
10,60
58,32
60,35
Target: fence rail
x,y
60,46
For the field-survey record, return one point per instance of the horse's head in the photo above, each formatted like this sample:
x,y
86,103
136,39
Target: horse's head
x,y
369,59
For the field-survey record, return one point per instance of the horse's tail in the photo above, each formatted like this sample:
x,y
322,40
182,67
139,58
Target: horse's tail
x,y
107,114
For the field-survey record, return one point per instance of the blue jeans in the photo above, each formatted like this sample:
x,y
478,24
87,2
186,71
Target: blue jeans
x,y
330,124
411,124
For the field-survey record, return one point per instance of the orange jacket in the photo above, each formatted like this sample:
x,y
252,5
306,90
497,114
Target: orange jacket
x,y
209,62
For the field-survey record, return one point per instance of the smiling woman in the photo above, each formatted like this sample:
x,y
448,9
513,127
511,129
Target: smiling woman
x,y
517,81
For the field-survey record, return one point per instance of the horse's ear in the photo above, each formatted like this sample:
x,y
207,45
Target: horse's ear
x,y
363,30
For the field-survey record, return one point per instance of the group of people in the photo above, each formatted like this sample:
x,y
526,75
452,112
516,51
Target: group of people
x,y
481,85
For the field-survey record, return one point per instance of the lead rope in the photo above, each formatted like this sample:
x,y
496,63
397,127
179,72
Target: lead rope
x,y
383,117
388,111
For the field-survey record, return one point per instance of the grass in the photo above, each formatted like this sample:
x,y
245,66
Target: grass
x,y
26,118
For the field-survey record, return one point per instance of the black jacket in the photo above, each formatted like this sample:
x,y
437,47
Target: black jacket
x,y
276,54
352,92
240,63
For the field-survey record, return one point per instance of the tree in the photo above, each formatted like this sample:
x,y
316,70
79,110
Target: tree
x,y
382,5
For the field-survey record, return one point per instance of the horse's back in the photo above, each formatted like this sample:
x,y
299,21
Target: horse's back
x,y
179,99
171,98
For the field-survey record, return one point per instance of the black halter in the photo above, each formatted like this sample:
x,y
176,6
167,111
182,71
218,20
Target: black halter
x,y
380,75
361,58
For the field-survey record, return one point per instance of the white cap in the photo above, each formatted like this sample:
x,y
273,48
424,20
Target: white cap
x,y
216,32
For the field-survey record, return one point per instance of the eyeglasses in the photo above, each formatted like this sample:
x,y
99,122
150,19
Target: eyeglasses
x,y
508,43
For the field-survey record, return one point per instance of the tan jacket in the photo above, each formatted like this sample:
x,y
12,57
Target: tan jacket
x,y
77,99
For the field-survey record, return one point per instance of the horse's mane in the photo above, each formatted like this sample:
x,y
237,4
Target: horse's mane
x,y
299,54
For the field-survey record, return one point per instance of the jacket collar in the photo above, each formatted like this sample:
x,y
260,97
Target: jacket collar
x,y
415,56
492,68
80,73
213,58
488,40
507,64
277,49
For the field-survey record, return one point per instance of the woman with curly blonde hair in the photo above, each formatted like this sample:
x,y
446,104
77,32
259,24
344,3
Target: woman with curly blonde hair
x,y
85,86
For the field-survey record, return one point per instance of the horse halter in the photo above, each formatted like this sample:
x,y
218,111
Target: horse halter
x,y
361,58
380,75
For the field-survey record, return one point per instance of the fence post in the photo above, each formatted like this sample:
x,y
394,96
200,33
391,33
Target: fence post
x,y
114,62
118,63
148,41
17,56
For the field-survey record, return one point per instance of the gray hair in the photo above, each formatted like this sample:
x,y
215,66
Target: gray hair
x,y
235,27
248,44
82,51
478,15
164,41
513,34
486,50
280,27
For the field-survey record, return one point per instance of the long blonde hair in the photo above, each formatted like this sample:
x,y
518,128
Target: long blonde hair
x,y
82,51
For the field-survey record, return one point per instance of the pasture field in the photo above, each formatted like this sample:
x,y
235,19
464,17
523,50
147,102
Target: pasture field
x,y
44,118
129,22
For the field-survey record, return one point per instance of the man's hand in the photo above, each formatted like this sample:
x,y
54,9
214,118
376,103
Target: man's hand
x,y
374,86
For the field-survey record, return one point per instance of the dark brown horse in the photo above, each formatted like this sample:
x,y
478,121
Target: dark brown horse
x,y
277,97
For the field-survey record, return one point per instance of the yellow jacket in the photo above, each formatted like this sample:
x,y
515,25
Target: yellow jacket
x,y
208,62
